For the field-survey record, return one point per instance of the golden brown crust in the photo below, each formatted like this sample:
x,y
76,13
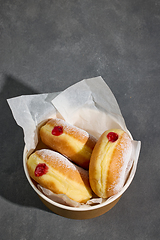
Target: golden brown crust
x,y
74,142
108,164
62,176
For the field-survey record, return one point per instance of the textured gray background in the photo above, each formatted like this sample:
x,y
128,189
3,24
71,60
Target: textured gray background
x,y
46,46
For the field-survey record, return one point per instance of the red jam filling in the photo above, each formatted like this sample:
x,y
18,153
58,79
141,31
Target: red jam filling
x,y
112,136
41,169
57,130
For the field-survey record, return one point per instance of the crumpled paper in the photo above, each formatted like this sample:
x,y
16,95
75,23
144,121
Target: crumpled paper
x,y
88,104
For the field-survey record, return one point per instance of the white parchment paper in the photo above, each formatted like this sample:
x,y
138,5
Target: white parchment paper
x,y
88,104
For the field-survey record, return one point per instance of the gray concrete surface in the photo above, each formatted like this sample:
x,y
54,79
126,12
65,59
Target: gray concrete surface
x,y
46,46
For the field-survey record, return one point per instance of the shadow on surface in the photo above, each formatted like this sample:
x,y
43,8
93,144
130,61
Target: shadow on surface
x,y
14,186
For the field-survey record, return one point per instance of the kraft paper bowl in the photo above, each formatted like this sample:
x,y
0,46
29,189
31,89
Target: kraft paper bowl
x,y
75,212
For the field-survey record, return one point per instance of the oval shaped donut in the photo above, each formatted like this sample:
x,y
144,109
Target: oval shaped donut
x,y
56,173
109,162
71,141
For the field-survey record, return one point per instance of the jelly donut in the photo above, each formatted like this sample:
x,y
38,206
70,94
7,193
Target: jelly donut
x,y
109,161
73,142
55,172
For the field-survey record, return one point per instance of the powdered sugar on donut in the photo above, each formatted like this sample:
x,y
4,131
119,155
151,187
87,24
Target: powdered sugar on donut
x,y
63,165
125,149
56,157
70,128
63,162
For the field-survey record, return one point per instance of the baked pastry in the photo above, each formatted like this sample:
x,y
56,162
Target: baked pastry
x,y
56,173
109,161
73,142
